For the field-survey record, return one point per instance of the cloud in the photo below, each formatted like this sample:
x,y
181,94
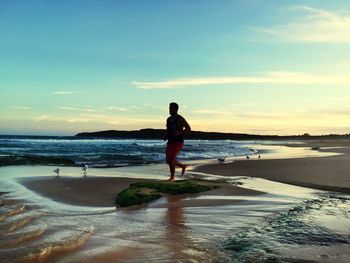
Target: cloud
x,y
40,118
335,112
213,112
273,77
62,92
20,108
117,108
287,121
340,98
315,25
77,109
135,107
284,119
123,119
51,118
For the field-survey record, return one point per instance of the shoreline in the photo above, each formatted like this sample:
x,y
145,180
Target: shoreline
x,y
330,173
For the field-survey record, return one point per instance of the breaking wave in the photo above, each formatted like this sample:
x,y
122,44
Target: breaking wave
x,y
109,153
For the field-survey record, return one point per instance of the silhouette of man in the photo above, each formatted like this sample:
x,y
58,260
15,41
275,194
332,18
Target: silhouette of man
x,y
176,126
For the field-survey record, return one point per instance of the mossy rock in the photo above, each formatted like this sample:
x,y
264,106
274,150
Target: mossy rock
x,y
134,196
175,188
144,192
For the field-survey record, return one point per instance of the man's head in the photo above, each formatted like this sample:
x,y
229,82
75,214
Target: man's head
x,y
173,108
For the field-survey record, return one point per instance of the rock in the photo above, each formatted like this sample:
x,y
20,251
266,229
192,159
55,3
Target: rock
x,y
145,192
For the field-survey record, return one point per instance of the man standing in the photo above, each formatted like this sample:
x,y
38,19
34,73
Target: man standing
x,y
176,126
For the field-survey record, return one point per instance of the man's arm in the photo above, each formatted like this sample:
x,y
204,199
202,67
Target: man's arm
x,y
165,135
186,125
166,131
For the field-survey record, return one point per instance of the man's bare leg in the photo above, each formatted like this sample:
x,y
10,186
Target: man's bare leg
x,y
172,170
181,165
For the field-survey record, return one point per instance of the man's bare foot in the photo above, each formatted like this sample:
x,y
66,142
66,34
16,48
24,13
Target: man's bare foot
x,y
183,169
171,179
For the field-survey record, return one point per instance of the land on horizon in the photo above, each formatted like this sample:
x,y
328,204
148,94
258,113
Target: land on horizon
x,y
149,133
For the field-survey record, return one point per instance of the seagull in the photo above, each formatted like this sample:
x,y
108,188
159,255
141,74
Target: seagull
x,y
57,171
247,157
221,160
85,168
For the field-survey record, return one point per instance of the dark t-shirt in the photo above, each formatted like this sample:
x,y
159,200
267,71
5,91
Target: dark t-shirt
x,y
173,124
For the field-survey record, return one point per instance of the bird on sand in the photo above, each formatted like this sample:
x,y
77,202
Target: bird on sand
x,y
221,159
85,168
247,157
57,171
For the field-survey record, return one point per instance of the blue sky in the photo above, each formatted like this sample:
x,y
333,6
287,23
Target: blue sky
x,y
265,67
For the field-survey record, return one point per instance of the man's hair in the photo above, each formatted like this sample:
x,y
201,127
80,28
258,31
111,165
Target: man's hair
x,y
175,105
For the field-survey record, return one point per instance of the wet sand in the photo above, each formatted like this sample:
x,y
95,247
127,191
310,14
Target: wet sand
x,y
102,191
327,173
89,191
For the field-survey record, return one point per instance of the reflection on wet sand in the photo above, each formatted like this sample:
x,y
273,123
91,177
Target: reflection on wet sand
x,y
182,242
175,233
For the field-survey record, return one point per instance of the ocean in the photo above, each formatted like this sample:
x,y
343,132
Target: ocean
x,y
111,152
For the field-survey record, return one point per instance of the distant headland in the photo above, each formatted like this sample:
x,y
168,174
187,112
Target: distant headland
x,y
158,134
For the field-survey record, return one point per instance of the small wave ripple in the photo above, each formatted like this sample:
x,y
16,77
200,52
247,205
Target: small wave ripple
x,y
313,223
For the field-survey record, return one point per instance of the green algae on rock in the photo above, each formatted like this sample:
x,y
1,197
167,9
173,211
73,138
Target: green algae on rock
x,y
145,192
135,196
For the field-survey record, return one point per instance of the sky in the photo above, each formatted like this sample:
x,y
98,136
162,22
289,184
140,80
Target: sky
x,y
242,66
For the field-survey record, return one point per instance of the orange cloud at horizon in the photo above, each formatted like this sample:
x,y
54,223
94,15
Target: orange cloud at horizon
x,y
285,123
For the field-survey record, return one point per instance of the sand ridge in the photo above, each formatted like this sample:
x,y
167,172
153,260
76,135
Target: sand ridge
x,y
327,173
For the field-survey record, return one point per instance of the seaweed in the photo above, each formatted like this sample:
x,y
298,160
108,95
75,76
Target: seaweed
x,y
134,196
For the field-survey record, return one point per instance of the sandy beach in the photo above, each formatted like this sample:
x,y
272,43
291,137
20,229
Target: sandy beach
x,y
327,173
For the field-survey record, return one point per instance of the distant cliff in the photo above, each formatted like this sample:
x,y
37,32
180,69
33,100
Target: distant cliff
x,y
158,134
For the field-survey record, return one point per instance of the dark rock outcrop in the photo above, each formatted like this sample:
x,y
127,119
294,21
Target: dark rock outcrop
x,y
158,134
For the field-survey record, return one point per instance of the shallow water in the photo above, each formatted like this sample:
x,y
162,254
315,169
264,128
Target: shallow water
x,y
317,229
287,224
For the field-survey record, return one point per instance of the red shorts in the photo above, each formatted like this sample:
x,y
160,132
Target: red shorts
x,y
172,150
